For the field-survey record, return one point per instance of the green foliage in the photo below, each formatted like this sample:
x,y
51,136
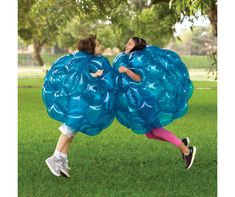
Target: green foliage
x,y
106,36
114,22
25,22
155,24
121,24
40,20
73,30
78,28
93,10
190,8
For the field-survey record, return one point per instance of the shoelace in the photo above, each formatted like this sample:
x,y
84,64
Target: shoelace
x,y
67,165
58,165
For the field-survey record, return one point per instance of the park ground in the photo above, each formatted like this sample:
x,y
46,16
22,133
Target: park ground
x,y
118,162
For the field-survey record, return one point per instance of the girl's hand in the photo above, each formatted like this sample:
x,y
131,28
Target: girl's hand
x,y
97,73
129,73
123,69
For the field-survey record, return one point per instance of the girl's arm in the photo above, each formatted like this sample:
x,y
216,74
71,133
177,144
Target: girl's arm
x,y
129,73
96,74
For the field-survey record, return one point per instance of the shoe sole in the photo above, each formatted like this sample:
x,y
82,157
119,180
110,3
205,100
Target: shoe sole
x,y
188,141
193,157
52,171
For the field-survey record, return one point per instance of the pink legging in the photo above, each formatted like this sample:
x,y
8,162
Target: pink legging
x,y
163,135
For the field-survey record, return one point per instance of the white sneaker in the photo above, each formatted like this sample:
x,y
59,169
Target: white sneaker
x,y
64,168
54,165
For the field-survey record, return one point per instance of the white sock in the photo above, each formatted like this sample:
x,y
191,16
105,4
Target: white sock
x,y
57,154
64,156
187,153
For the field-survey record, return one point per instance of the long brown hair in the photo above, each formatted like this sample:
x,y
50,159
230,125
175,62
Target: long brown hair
x,y
87,44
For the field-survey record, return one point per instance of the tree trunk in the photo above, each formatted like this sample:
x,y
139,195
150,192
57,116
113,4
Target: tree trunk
x,y
36,54
212,15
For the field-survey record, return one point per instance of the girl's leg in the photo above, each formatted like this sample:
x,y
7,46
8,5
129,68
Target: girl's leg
x,y
64,141
58,163
164,135
150,135
67,146
63,146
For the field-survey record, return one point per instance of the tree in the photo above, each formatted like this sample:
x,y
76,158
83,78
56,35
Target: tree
x,y
135,18
77,28
112,30
190,8
114,21
39,21
155,24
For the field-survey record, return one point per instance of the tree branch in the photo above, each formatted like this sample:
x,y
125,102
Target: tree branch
x,y
159,1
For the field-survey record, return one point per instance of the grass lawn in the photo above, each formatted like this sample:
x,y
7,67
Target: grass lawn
x,y
117,162
190,61
193,61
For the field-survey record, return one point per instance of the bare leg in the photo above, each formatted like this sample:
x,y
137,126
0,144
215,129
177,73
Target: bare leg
x,y
63,143
184,149
67,146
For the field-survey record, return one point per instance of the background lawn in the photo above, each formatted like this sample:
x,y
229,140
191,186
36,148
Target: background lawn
x,y
117,162
192,61
198,66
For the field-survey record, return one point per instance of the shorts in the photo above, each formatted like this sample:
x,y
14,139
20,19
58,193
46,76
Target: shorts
x,y
67,130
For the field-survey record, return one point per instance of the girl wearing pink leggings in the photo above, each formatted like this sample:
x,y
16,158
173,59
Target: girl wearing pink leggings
x,y
161,134
188,152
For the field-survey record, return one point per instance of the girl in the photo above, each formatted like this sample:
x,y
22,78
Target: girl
x,y
78,91
121,64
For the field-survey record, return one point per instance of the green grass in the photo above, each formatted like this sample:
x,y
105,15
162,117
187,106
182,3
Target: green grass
x,y
31,82
25,82
190,61
117,162
193,61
